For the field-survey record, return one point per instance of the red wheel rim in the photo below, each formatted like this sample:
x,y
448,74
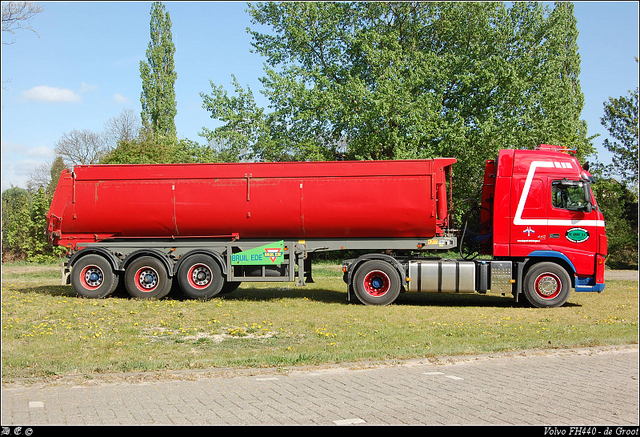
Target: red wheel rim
x,y
146,279
91,277
548,285
199,276
377,283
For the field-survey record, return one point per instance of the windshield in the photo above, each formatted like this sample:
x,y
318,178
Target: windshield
x,y
572,197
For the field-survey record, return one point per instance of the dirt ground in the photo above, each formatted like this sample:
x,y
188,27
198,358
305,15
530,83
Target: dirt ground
x,y
11,269
624,275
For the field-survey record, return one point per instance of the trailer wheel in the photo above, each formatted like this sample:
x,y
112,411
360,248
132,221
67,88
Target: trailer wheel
x,y
147,278
376,282
93,277
547,285
200,277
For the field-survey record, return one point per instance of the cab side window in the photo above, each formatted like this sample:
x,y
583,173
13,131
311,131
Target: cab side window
x,y
570,197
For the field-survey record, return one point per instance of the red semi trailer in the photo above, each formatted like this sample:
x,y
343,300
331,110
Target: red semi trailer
x,y
213,226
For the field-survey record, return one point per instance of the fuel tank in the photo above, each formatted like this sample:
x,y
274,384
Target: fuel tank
x,y
342,199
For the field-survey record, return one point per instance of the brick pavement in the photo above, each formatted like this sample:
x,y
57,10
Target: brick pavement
x,y
591,386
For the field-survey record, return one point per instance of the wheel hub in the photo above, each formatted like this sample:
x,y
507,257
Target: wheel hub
x,y
200,275
376,283
548,285
93,277
147,279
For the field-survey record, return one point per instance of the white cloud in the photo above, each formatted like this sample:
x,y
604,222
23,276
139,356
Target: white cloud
x,y
42,151
12,148
19,161
119,98
44,93
24,167
17,173
85,87
18,149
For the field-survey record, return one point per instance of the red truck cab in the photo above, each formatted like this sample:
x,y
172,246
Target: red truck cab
x,y
543,209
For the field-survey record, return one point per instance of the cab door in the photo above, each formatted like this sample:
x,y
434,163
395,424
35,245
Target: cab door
x,y
529,228
572,223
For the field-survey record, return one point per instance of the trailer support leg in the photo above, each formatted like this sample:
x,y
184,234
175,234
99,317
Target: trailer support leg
x,y
300,282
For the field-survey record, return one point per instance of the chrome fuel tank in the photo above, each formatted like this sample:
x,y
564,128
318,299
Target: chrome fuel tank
x,y
442,276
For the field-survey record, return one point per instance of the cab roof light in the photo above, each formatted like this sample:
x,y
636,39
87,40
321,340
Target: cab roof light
x,y
552,148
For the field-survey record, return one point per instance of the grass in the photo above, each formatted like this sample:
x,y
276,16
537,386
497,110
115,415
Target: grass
x,y
47,330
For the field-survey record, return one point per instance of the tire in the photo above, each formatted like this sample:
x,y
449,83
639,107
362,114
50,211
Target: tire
x,y
376,282
547,285
147,278
200,277
93,277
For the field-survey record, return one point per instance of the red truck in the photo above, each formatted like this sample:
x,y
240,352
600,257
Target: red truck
x,y
212,226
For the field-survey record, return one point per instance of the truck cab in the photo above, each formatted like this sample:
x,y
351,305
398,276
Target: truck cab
x,y
543,210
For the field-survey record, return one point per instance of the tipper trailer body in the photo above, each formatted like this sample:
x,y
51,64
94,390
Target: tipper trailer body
x,y
212,226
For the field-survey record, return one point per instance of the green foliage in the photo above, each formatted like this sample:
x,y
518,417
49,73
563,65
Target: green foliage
x,y
620,209
617,184
16,220
144,150
158,98
158,150
56,169
38,248
378,80
245,123
24,224
621,120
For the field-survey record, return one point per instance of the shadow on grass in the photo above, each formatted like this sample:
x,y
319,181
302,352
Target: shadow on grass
x,y
314,295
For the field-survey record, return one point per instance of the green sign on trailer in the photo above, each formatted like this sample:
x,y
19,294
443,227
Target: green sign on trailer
x,y
269,254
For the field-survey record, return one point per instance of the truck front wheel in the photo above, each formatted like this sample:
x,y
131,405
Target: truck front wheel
x,y
147,278
93,277
547,285
200,277
376,282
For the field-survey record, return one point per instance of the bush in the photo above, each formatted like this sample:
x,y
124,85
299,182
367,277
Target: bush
x,y
620,208
24,222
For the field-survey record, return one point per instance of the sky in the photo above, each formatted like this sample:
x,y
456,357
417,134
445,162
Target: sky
x,y
82,69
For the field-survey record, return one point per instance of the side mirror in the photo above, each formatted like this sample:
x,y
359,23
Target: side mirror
x,y
587,208
587,195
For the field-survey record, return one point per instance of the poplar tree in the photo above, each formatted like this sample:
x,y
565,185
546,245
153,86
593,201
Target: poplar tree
x,y
158,98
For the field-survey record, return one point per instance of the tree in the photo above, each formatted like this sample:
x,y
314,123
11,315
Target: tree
x,y
616,186
124,127
158,97
620,209
24,225
46,175
379,80
238,140
16,221
621,120
56,169
17,15
143,150
39,176
81,147
146,150
38,248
